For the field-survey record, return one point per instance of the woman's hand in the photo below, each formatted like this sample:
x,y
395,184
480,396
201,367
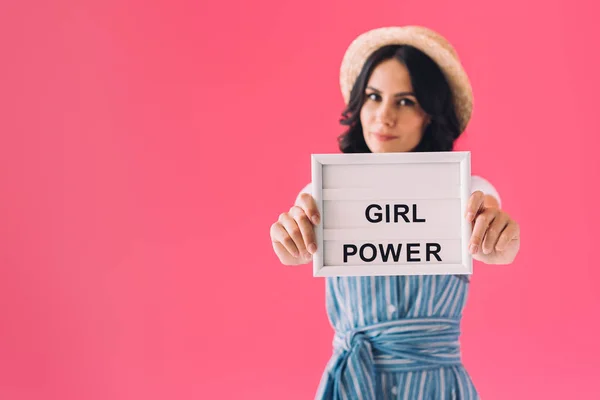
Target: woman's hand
x,y
293,234
495,237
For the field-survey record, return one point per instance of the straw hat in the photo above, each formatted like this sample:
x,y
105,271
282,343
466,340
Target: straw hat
x,y
424,39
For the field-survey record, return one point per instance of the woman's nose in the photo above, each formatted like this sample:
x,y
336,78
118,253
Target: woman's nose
x,y
385,114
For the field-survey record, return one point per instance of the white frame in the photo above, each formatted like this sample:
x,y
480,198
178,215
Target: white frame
x,y
463,158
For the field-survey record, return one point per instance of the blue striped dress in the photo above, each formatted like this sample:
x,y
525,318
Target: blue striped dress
x,y
397,337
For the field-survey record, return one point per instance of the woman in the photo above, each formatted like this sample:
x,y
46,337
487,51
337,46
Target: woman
x,y
397,336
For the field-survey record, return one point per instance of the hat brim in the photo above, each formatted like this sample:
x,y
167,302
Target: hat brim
x,y
424,39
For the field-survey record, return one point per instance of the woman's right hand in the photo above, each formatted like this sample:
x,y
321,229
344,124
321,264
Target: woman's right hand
x,y
293,234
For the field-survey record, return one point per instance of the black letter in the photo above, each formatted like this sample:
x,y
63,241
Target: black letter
x,y
362,252
377,215
390,248
434,252
347,253
410,251
398,213
415,218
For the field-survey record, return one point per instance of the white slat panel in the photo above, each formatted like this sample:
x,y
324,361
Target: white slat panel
x,y
449,252
409,175
438,216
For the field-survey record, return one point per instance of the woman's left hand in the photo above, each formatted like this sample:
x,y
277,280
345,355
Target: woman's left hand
x,y
495,237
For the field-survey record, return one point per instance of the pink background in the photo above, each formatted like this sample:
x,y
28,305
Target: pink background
x,y
135,202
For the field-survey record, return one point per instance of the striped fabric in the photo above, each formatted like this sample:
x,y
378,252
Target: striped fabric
x,y
396,338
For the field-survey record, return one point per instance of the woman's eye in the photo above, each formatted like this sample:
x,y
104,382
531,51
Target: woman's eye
x,y
406,102
401,102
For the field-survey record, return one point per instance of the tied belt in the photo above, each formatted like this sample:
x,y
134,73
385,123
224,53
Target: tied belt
x,y
396,346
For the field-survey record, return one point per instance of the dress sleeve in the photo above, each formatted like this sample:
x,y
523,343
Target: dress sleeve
x,y
479,183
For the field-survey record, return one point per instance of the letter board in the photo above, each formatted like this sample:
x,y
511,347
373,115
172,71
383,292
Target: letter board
x,y
392,213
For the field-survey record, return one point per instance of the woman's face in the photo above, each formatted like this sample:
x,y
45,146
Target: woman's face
x,y
391,118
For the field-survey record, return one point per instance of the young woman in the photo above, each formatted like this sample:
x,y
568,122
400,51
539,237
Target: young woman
x,y
397,337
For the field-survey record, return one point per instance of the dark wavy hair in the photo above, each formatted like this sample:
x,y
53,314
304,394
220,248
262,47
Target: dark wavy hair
x,y
431,90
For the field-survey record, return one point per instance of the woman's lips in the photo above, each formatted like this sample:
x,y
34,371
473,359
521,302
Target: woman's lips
x,y
382,137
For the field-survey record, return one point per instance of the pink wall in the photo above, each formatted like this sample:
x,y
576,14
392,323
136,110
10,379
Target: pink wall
x,y
135,204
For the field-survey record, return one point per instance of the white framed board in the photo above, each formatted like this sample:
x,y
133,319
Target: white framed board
x,y
392,213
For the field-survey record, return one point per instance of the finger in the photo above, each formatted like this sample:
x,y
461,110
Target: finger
x,y
293,230
281,239
482,221
495,229
286,258
510,233
474,205
306,227
291,236
308,204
